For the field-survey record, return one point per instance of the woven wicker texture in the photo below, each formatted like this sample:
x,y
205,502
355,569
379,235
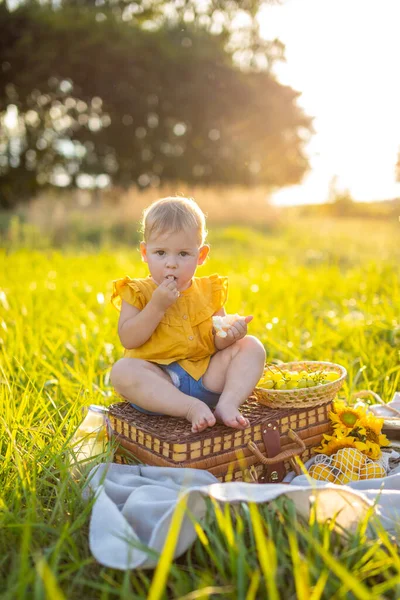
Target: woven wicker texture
x,y
169,441
244,469
303,397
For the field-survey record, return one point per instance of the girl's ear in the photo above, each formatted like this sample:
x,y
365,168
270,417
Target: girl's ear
x,y
203,253
143,251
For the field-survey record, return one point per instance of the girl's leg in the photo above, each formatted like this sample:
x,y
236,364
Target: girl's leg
x,y
149,387
234,372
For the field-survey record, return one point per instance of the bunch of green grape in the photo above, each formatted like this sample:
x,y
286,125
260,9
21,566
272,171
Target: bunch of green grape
x,y
279,379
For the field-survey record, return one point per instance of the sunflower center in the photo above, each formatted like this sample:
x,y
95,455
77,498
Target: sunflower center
x,y
348,418
371,435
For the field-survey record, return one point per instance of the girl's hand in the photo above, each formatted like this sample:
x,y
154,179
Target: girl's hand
x,y
238,330
166,294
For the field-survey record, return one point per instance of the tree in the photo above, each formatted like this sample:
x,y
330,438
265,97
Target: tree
x,y
109,98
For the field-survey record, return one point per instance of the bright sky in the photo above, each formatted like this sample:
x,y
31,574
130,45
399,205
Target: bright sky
x,y
344,56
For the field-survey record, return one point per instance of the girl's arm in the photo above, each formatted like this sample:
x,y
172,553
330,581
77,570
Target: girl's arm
x,y
136,326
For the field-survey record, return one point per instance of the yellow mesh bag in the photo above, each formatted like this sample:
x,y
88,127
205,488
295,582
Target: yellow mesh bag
x,y
346,465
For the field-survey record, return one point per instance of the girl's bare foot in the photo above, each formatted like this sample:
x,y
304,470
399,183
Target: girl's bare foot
x,y
200,416
230,416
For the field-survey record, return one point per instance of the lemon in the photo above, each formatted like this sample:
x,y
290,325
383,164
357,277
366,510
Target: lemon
x,y
346,477
348,460
322,472
372,470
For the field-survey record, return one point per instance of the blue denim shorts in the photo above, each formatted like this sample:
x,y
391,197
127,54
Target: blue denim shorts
x,y
186,384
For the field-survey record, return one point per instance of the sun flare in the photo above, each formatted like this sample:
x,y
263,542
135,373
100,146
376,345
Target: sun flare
x,y
346,70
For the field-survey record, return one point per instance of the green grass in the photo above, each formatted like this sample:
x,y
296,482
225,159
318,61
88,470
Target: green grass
x,y
318,289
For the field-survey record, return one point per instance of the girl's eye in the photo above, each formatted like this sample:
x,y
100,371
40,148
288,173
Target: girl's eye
x,y
184,253
160,252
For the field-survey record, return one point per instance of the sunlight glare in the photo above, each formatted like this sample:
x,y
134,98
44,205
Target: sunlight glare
x,y
344,59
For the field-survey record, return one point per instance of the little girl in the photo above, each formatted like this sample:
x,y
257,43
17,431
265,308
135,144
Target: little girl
x,y
173,363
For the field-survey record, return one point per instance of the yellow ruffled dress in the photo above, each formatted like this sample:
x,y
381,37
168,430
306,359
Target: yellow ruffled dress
x,y
184,334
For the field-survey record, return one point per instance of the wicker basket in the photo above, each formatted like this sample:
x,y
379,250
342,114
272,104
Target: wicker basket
x,y
262,452
303,397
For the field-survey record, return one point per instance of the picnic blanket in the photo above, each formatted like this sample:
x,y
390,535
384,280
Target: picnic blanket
x,y
134,505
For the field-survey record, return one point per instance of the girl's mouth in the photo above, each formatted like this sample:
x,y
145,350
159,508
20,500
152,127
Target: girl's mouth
x,y
171,277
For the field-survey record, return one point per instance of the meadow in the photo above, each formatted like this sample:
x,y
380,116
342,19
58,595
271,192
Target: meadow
x,y
319,288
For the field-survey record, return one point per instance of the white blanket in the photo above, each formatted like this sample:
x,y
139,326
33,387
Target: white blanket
x,y
134,505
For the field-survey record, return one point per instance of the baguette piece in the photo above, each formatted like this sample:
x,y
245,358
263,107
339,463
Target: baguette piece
x,y
222,324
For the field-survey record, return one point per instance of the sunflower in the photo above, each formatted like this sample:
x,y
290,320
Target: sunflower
x,y
333,443
345,416
372,450
357,432
373,427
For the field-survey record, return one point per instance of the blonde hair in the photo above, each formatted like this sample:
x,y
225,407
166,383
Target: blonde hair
x,y
172,214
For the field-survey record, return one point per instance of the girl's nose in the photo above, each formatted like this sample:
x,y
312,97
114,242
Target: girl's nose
x,y
171,262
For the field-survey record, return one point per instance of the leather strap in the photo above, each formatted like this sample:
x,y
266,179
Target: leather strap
x,y
272,442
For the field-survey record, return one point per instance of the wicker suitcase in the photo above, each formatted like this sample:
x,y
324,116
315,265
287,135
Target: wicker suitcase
x,y
263,452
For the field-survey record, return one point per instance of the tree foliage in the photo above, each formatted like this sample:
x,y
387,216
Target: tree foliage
x,y
87,96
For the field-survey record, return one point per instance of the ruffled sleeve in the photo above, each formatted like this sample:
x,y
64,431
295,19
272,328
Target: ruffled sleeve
x,y
127,289
219,291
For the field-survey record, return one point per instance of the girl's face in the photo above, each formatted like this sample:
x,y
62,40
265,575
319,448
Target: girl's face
x,y
174,254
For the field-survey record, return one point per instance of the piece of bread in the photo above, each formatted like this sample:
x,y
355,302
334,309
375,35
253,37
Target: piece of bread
x,y
222,324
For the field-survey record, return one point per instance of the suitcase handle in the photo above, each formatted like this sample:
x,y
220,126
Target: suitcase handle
x,y
285,455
